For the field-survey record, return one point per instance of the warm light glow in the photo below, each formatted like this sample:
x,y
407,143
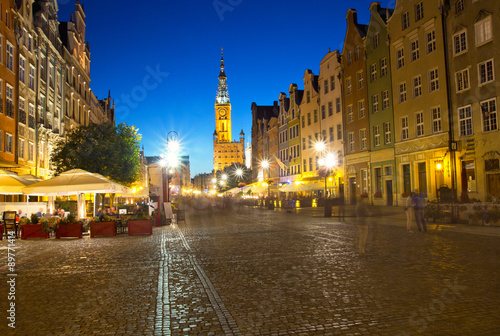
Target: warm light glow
x,y
224,177
239,172
320,146
330,160
439,166
214,180
265,164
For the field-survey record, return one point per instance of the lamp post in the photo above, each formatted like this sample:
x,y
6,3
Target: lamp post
x,y
320,147
439,167
328,163
265,166
170,162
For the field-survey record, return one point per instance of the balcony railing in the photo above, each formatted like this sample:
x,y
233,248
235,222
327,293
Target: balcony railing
x,y
22,117
31,122
9,111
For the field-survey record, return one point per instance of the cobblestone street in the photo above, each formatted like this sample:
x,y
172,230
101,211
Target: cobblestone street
x,y
260,272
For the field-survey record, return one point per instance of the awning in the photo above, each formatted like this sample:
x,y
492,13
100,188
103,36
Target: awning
x,y
13,184
73,182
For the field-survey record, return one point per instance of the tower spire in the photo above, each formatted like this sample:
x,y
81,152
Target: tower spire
x,y
222,95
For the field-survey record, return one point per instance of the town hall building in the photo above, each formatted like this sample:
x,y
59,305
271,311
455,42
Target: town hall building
x,y
226,151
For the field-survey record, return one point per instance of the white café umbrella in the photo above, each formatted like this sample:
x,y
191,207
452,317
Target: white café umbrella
x,y
75,182
13,184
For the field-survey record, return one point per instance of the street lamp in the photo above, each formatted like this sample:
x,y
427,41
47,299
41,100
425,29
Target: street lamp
x,y
439,167
265,166
328,163
169,162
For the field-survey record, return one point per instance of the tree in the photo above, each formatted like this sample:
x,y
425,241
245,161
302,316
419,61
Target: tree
x,y
107,149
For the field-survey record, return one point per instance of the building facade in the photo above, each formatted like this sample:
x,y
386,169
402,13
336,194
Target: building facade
x,y
380,108
473,59
421,109
356,121
9,87
310,127
330,97
45,76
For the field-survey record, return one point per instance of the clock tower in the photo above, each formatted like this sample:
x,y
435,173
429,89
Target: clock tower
x,y
223,107
226,151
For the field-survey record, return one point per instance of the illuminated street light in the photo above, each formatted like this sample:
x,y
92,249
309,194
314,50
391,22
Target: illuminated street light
x,y
320,146
328,163
169,162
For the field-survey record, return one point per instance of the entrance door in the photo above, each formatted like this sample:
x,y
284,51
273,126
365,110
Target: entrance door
x,y
388,190
352,190
493,183
422,178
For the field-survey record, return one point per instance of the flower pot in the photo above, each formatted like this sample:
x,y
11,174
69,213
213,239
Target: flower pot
x,y
35,231
73,230
99,229
139,227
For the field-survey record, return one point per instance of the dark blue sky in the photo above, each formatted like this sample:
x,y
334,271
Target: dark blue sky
x,y
160,59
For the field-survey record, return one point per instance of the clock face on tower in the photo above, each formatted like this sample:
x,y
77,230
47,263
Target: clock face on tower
x,y
223,112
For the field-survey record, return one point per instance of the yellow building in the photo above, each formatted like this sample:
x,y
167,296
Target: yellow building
x,y
226,152
420,98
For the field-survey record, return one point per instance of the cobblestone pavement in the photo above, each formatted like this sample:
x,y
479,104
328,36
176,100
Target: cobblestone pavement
x,y
259,272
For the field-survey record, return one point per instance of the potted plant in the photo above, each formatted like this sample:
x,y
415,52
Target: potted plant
x,y
139,224
69,227
35,231
102,226
494,215
364,195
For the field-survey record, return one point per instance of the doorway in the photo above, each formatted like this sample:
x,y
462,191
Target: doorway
x,y
352,190
493,183
388,190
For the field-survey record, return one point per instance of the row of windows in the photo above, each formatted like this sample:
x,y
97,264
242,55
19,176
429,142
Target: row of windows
x,y
316,162
430,41
385,101
309,143
483,34
416,82
488,116
486,74
377,134
419,14
419,123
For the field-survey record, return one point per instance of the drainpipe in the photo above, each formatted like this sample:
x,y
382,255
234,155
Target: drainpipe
x,y
452,144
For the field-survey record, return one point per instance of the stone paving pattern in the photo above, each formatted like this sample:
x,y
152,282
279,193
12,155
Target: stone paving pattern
x,y
251,271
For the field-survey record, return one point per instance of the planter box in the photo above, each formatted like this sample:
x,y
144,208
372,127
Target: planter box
x,y
98,229
33,231
73,230
140,227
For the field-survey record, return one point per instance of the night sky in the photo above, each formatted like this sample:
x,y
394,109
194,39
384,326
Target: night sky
x,y
160,59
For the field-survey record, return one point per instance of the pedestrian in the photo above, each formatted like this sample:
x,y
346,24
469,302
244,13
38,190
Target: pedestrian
x,y
341,203
419,205
409,212
362,213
